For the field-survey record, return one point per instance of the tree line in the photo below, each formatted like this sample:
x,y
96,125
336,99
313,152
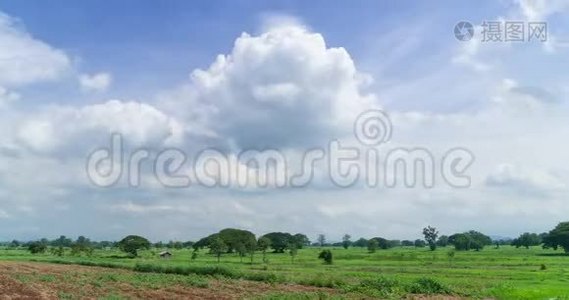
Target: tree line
x,y
245,243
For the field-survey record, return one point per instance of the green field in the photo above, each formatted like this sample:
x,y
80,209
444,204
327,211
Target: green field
x,y
504,273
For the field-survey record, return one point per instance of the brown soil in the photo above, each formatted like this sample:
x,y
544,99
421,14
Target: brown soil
x,y
24,280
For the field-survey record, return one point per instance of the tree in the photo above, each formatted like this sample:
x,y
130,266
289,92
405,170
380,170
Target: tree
x,y
62,241
431,235
419,243
204,242
471,240
326,255
442,241
59,251
217,247
407,243
558,237
480,238
460,241
236,237
132,243
451,254
82,245
194,255
346,243
175,245
394,243
37,247
321,240
279,240
241,250
188,244
263,244
15,244
250,247
293,251
372,245
526,240
245,245
384,243
361,242
300,240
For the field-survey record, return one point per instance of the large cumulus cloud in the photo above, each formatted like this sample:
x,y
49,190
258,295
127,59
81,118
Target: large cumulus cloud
x,y
284,87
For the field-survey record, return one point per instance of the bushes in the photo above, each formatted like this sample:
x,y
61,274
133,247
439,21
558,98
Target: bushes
x,y
321,280
326,255
262,277
427,285
384,287
298,296
185,270
381,287
87,263
37,247
208,271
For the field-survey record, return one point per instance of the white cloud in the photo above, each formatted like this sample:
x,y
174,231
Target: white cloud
x,y
482,56
7,97
282,87
39,135
514,177
139,123
540,10
132,208
25,60
99,82
468,53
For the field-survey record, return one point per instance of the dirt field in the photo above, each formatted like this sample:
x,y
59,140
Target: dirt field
x,y
19,280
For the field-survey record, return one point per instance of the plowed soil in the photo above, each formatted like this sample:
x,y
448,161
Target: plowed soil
x,y
23,280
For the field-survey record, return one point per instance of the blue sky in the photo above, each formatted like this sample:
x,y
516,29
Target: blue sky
x,y
154,45
292,75
144,43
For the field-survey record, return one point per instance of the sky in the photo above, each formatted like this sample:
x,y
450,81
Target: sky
x,y
291,76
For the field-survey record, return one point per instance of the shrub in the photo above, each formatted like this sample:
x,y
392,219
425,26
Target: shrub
x,y
326,255
381,287
322,280
262,277
37,247
451,254
427,285
186,270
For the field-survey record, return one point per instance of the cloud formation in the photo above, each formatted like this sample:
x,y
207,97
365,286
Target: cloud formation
x,y
286,77
24,59
140,124
99,82
284,88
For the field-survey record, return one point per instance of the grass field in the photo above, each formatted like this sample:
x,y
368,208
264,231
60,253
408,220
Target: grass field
x,y
504,273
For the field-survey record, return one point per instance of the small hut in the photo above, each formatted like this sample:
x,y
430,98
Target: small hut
x,y
165,254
